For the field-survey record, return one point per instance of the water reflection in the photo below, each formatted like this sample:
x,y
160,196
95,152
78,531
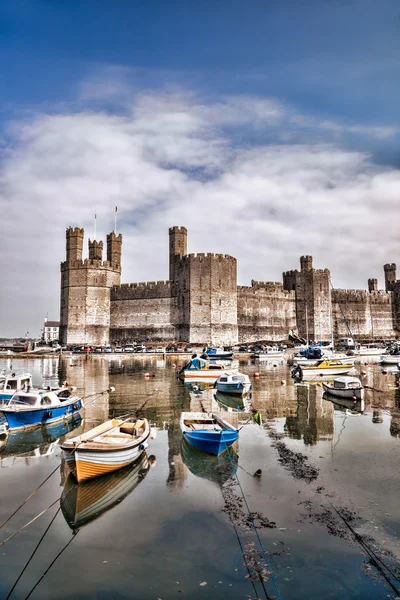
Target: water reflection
x,y
314,418
345,404
40,441
214,468
83,503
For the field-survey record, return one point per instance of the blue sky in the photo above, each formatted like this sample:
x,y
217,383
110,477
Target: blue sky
x,y
285,113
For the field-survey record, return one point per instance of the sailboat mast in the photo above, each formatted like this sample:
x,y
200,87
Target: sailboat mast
x,y
306,325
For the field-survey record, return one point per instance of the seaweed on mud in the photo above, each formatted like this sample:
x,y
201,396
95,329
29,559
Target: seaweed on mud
x,y
237,513
296,463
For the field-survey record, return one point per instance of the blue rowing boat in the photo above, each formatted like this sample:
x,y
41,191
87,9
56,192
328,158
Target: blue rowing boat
x,y
35,408
208,432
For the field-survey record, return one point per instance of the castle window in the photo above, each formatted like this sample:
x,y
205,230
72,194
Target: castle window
x,y
220,283
220,301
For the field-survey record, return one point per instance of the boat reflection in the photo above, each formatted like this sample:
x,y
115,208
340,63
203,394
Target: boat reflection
x,y
346,404
214,468
82,503
233,403
36,442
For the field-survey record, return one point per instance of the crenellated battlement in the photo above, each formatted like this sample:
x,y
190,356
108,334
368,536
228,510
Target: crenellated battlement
x,y
389,267
75,231
292,273
177,229
207,256
88,263
266,284
141,290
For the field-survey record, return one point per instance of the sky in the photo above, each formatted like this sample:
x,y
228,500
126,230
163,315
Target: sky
x,y
270,129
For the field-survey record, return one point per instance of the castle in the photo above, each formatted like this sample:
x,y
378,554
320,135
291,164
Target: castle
x,y
202,303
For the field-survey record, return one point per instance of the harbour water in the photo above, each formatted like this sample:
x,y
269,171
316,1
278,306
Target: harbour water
x,y
179,525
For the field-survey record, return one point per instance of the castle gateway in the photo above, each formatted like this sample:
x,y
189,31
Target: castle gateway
x,y
202,303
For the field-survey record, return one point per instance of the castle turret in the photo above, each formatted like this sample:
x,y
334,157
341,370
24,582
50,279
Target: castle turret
x,y
372,285
114,250
177,248
306,263
74,237
390,276
95,250
85,289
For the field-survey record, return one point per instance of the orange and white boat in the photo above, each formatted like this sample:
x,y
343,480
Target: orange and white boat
x,y
106,448
209,372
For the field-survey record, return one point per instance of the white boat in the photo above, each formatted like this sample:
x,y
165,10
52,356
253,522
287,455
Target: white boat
x,y
235,384
269,353
345,387
108,447
324,368
328,355
201,370
390,359
368,351
13,382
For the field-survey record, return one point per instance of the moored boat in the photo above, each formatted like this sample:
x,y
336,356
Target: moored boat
x,y
208,432
390,358
345,387
9,384
199,369
235,384
35,408
108,447
323,368
219,353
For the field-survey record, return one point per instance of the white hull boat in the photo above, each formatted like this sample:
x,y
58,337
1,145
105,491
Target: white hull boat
x,y
106,448
269,355
236,384
389,359
345,387
325,368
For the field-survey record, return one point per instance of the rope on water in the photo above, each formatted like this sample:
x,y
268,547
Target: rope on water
x,y
376,561
29,522
33,553
51,564
256,532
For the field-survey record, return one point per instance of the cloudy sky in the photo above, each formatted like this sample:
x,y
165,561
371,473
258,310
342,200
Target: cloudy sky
x,y
270,129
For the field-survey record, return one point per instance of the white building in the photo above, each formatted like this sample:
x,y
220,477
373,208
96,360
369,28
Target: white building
x,y
50,331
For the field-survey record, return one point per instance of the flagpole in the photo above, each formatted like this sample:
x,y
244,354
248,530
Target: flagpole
x,y
115,221
95,225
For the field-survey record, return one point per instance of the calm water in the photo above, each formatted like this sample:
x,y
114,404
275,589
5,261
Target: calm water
x,y
178,529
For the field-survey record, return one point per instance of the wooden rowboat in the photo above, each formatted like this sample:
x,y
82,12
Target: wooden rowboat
x,y
207,432
106,448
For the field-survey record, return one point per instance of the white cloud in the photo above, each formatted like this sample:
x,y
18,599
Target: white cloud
x,y
171,160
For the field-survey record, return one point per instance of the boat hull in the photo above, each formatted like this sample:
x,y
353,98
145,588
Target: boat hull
x,y
24,419
91,463
204,375
269,356
349,394
390,359
221,355
211,442
310,372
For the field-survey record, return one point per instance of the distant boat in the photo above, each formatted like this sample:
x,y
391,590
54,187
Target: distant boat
x,y
219,353
35,408
269,353
108,447
323,368
207,432
368,351
9,384
311,356
391,357
345,387
199,369
235,384
83,503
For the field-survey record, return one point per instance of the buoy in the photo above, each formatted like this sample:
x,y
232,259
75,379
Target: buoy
x,y
275,366
111,388
283,382
321,374
258,473
384,372
355,398
257,374
147,375
174,366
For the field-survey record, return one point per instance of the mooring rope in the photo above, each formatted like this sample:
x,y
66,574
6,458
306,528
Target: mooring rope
x,y
30,522
264,552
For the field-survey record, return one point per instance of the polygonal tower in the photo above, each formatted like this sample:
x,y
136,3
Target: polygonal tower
x,y
85,289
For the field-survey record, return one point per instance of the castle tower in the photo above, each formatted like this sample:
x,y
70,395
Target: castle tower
x,y
95,250
85,290
372,285
114,250
177,249
313,301
74,239
390,276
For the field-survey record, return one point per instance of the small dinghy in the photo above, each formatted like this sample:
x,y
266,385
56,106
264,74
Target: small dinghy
x,y
199,369
234,384
207,432
345,387
323,368
108,447
35,408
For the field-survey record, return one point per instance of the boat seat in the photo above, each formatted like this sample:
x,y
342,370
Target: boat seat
x,y
118,435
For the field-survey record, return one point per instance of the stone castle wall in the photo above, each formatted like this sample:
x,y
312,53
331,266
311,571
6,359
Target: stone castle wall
x,y
201,302
265,312
369,314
